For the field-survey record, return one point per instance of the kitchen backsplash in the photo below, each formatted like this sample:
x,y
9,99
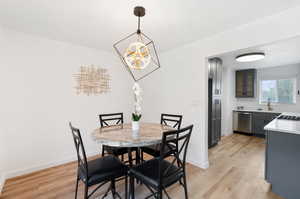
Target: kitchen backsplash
x,y
276,72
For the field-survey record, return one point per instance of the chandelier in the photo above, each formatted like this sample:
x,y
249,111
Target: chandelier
x,y
137,51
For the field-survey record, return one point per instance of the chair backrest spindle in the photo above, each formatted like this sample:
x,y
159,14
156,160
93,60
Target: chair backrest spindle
x,y
171,120
111,119
81,155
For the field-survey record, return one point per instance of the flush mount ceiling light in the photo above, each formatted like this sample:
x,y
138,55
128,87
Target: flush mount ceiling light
x,y
250,57
137,51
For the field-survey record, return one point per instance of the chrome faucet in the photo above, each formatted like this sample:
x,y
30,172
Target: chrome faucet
x,y
269,105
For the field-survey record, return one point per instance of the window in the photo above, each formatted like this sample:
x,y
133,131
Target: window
x,y
282,91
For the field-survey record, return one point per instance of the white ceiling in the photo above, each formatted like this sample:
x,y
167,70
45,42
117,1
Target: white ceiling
x,y
277,54
99,23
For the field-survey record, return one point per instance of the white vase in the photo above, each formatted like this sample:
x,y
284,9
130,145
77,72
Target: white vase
x,y
135,125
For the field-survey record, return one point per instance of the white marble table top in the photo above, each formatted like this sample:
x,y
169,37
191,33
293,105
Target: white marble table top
x,y
123,136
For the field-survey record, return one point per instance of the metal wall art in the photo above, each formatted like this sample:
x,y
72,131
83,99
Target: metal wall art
x,y
92,80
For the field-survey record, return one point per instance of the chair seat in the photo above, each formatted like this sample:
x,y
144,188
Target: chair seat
x,y
148,173
154,150
104,168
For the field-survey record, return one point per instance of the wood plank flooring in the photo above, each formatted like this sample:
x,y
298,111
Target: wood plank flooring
x,y
236,172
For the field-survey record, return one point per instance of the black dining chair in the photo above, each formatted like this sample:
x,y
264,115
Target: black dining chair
x,y
98,171
173,121
115,119
161,172
111,119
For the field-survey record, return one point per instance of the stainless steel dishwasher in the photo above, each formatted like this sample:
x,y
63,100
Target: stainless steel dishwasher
x,y
242,122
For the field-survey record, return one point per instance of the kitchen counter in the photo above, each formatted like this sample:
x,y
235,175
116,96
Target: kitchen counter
x,y
256,111
284,126
252,121
282,161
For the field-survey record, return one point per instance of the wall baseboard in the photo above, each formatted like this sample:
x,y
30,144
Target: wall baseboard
x,y
202,165
12,174
2,182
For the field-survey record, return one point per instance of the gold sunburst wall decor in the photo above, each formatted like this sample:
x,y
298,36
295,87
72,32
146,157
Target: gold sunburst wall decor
x,y
92,80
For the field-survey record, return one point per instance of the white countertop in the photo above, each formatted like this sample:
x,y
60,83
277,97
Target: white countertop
x,y
256,111
284,126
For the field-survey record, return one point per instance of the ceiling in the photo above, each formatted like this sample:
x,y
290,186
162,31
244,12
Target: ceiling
x,y
276,54
100,23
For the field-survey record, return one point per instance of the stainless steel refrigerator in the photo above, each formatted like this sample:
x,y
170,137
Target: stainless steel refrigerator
x,y
214,101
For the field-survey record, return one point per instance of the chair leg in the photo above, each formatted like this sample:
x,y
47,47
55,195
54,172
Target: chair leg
x,y
180,181
102,150
107,191
113,190
126,187
142,155
86,191
76,190
160,194
138,161
185,187
137,157
116,155
130,158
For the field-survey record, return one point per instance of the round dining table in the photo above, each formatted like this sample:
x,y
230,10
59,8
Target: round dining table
x,y
123,136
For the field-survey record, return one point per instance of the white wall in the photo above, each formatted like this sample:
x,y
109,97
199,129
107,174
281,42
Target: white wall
x,y
2,177
38,100
2,159
288,71
2,181
228,100
181,85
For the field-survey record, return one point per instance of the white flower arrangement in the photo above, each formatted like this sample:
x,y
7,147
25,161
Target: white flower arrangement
x,y
137,114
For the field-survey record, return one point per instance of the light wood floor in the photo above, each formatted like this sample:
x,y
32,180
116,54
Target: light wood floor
x,y
236,172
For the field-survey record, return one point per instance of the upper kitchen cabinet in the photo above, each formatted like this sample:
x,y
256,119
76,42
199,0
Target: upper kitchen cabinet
x,y
245,83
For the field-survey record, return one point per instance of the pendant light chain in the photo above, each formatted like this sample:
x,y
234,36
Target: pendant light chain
x,y
139,37
139,25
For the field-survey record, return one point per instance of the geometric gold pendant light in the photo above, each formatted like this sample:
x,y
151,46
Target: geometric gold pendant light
x,y
137,51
